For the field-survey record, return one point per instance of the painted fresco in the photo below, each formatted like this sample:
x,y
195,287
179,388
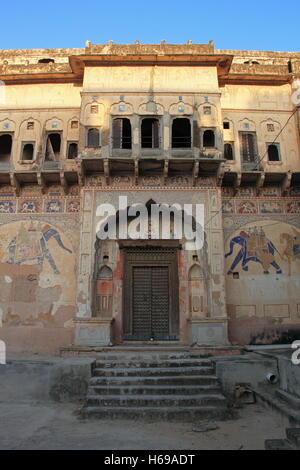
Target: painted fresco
x,y
36,243
31,244
264,247
37,286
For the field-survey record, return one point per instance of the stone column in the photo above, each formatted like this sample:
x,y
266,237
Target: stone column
x,y
213,329
89,331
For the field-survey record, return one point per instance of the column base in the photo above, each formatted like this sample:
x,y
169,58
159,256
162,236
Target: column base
x,y
208,331
92,331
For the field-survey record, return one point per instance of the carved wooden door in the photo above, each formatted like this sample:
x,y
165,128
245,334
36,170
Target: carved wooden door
x,y
151,301
151,295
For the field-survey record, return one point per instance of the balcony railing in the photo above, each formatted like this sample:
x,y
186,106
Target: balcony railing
x,y
150,142
52,165
123,143
251,165
181,142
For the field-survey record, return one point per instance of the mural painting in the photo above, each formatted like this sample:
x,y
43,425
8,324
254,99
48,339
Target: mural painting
x,y
291,247
270,245
36,249
31,244
37,285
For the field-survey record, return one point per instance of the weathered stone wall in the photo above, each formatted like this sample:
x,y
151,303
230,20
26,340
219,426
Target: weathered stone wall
x,y
262,254
38,268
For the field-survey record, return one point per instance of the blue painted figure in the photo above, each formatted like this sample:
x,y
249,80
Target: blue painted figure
x,y
256,247
32,246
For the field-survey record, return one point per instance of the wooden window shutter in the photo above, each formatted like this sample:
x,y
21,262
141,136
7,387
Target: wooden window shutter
x,y
155,133
117,133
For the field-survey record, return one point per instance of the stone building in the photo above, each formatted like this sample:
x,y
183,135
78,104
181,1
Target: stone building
x,y
159,124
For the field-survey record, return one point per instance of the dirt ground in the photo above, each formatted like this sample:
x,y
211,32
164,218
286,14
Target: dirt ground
x,y
36,426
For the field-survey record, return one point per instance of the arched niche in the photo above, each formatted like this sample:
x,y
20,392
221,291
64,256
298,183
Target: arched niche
x,y
246,125
93,114
208,114
197,292
104,292
121,109
151,108
181,108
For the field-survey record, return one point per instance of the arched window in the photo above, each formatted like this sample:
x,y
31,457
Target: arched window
x,y
228,151
5,148
181,133
93,137
150,133
72,150
273,152
27,152
121,133
53,147
208,138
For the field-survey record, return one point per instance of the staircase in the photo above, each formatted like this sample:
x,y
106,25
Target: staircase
x,y
179,386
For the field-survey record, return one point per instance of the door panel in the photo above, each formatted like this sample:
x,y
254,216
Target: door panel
x,y
141,295
160,301
150,294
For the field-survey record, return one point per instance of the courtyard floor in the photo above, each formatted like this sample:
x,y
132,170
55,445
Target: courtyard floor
x,y
55,426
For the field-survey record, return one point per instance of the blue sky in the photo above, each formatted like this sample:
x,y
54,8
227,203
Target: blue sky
x,y
245,24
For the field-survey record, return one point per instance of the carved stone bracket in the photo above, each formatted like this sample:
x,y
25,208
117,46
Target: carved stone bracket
x,y
260,183
106,171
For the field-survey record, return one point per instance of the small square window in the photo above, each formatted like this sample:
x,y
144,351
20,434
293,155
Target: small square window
x,y
181,108
246,125
74,124
30,125
270,127
207,110
94,109
122,107
6,125
54,124
226,125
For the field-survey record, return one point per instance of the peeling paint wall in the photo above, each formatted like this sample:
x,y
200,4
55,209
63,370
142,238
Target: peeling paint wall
x,y
263,281
37,283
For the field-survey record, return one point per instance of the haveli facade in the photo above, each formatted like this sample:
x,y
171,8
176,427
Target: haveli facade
x,y
159,124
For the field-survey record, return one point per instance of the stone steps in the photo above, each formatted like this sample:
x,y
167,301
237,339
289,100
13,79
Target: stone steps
x,y
159,413
151,363
152,389
155,380
168,386
158,400
151,371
